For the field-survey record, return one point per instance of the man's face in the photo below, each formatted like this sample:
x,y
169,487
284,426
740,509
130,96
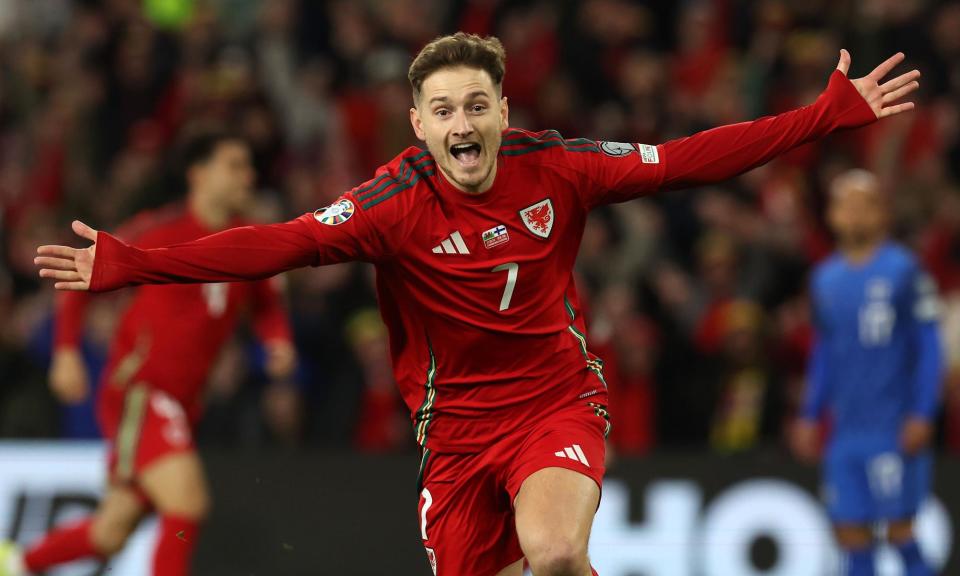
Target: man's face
x,y
461,116
227,176
858,214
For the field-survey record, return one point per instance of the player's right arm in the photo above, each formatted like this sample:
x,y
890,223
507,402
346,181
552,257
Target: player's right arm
x,y
68,375
234,255
805,435
806,430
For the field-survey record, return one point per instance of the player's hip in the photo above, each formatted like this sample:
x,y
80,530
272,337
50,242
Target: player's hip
x,y
457,420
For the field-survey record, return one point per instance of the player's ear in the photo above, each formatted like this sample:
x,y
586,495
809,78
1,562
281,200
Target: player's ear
x,y
504,113
417,124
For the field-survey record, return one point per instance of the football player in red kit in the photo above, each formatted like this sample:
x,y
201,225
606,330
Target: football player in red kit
x,y
150,396
474,241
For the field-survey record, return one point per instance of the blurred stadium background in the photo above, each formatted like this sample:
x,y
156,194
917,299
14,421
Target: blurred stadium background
x,y
697,299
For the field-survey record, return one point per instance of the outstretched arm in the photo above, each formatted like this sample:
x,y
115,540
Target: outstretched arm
x,y
724,152
246,253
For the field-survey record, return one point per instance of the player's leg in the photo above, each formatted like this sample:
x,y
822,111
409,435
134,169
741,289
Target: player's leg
x,y
555,486
554,511
101,535
464,517
164,464
901,536
116,519
850,505
177,487
917,472
857,543
106,530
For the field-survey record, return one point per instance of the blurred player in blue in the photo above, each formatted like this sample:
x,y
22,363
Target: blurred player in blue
x,y
876,370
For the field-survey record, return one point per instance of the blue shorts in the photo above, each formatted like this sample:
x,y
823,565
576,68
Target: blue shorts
x,y
868,479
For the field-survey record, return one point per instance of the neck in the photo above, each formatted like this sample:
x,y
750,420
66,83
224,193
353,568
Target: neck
x,y
860,252
210,214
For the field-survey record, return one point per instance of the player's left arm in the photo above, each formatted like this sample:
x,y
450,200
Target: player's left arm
x,y
724,152
271,324
928,363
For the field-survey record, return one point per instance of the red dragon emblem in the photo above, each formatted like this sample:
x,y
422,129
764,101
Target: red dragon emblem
x,y
538,218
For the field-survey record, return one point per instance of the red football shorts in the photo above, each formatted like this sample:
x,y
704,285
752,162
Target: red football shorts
x,y
150,425
465,511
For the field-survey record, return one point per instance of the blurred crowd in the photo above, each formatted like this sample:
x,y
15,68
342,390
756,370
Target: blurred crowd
x,y
697,299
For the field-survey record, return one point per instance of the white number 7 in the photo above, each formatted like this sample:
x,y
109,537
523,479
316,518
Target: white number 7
x,y
512,269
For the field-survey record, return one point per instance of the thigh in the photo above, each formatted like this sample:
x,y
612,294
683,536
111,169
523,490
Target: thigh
x,y
555,484
556,506
152,426
465,518
846,489
176,485
572,439
915,487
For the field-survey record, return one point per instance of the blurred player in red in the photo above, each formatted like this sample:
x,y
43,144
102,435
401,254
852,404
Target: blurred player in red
x,y
474,241
150,396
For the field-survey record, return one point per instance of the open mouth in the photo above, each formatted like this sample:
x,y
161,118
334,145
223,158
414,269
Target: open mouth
x,y
466,154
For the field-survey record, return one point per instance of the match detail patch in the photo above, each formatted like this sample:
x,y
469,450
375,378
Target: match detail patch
x,y
617,149
495,236
649,154
336,213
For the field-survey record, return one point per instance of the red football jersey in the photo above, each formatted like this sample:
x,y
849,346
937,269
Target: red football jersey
x,y
476,290
169,336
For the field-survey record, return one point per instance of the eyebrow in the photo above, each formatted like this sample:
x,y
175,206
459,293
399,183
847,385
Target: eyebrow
x,y
445,99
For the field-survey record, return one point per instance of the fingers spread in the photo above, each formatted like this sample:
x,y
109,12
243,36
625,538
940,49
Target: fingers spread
x,y
891,110
55,263
899,81
899,93
844,64
66,275
84,231
57,251
71,286
886,66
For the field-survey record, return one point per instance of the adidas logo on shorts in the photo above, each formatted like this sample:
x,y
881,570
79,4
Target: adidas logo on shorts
x,y
574,453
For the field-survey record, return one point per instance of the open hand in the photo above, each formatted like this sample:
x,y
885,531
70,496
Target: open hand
x,y
915,435
68,376
281,359
805,440
72,268
882,97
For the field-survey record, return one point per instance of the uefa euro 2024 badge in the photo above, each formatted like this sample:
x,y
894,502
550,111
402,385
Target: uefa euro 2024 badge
x,y
336,213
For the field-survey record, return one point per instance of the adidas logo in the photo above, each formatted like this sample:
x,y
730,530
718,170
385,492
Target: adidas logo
x,y
452,245
574,453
